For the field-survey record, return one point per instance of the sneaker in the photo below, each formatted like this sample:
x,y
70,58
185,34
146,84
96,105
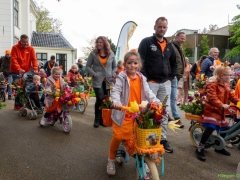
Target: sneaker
x,y
9,97
111,167
223,151
180,123
229,144
18,107
170,118
200,155
166,146
43,121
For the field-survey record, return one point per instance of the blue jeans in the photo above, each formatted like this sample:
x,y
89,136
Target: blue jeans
x,y
173,98
10,80
161,91
15,77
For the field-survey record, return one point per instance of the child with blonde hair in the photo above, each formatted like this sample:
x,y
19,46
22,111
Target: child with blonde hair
x,y
130,86
218,93
55,83
74,75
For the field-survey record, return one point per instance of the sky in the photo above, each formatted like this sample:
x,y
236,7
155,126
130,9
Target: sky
x,y
85,19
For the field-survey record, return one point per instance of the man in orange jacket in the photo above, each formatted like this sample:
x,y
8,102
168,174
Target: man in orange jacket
x,y
23,57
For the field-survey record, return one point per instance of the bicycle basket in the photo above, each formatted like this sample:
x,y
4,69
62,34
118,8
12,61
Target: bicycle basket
x,y
148,138
67,107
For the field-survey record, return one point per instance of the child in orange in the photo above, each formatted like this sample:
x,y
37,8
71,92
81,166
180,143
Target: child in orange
x,y
120,66
54,84
74,75
218,93
130,86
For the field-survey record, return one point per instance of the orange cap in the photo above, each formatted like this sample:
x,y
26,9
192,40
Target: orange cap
x,y
8,51
133,50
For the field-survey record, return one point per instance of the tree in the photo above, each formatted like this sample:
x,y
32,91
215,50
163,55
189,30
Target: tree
x,y
46,23
204,45
112,46
212,27
235,28
185,50
88,49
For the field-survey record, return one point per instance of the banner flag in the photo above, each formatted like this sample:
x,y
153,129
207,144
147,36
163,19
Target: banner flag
x,y
124,36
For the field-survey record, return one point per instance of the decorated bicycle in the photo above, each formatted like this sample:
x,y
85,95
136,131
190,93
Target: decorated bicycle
x,y
3,86
145,144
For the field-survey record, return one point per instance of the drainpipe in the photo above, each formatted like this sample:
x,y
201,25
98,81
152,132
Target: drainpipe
x,y
13,23
72,56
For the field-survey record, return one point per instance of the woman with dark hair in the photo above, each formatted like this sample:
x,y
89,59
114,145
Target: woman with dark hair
x,y
196,68
101,66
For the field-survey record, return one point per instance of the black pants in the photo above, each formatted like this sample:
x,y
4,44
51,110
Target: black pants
x,y
207,133
100,92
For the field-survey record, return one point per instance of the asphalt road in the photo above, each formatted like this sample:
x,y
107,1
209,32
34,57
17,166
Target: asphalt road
x,y
29,152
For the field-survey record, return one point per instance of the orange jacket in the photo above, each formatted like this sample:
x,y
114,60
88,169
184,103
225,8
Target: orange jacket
x,y
22,59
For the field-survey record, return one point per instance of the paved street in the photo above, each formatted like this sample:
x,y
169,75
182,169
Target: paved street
x,y
29,152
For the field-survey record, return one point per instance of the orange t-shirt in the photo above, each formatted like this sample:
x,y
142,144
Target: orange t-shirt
x,y
120,69
134,94
103,60
198,71
187,70
162,45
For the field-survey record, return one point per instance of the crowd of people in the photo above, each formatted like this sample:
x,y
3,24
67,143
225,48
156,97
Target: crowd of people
x,y
139,78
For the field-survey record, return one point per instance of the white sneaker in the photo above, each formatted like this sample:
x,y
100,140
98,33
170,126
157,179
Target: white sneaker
x,y
111,167
43,121
229,144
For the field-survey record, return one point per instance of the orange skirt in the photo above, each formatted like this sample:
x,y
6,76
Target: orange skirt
x,y
123,132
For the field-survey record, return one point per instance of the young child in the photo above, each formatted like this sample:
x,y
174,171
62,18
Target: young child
x,y
73,75
120,66
130,86
36,86
43,76
218,93
54,83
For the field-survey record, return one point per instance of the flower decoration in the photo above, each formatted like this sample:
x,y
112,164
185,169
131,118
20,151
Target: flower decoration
x,y
149,116
20,90
202,81
2,105
195,103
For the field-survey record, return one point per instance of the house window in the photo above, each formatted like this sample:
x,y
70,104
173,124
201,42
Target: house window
x,y
42,57
62,62
16,40
15,13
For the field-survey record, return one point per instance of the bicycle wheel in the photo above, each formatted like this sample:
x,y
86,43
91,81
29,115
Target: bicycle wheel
x,y
82,106
2,96
150,168
196,134
67,123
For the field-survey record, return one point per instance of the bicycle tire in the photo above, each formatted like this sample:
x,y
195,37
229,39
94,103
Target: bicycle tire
x,y
3,96
193,133
235,140
67,123
82,106
153,174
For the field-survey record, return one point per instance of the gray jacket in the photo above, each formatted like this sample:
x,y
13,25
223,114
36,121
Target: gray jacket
x,y
94,66
120,93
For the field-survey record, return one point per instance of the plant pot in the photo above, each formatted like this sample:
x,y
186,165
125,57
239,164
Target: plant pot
x,y
201,90
194,117
106,116
148,138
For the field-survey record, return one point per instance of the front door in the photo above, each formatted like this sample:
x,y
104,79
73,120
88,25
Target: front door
x,y
62,62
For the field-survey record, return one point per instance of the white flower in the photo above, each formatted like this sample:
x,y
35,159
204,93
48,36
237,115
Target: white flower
x,y
143,104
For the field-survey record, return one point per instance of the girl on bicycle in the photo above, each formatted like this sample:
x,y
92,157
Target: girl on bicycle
x,y
55,83
73,76
218,93
130,86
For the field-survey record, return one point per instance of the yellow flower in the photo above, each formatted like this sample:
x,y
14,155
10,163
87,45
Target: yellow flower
x,y
77,93
77,99
172,125
133,107
56,99
202,76
143,104
69,102
110,87
238,104
57,94
12,86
